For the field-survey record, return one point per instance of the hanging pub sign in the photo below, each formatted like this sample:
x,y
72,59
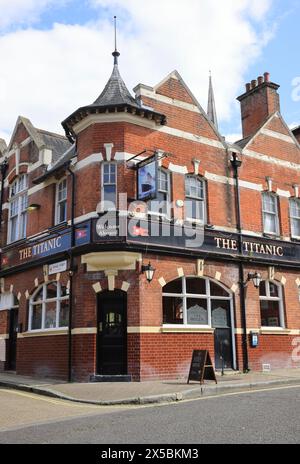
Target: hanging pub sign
x,y
201,367
147,178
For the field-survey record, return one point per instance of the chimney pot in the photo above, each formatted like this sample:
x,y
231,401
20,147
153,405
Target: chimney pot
x,y
253,83
267,76
248,86
260,80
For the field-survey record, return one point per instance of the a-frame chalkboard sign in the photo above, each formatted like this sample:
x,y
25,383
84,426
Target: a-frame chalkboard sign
x,y
201,367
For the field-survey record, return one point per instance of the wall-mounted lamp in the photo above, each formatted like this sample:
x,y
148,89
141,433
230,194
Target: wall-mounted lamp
x,y
149,271
255,277
33,207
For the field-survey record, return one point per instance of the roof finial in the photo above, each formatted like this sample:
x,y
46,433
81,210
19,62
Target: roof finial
x,y
115,53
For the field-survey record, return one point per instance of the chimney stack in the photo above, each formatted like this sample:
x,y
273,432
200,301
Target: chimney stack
x,y
258,102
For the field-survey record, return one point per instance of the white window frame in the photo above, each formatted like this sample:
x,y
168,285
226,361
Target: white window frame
x,y
44,302
184,295
109,163
294,218
59,202
18,196
10,303
168,196
194,197
275,214
273,298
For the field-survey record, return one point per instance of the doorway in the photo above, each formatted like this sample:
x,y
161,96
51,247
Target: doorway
x,y
112,333
221,321
12,341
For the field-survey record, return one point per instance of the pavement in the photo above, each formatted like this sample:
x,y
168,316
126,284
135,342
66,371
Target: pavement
x,y
117,393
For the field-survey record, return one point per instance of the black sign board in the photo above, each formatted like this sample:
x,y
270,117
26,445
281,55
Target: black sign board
x,y
201,367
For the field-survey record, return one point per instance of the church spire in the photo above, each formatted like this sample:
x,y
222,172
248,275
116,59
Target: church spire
x,y
211,107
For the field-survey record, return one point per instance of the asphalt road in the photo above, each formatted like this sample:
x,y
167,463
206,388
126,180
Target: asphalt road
x,y
268,416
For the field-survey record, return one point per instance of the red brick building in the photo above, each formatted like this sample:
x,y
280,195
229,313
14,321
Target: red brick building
x,y
75,300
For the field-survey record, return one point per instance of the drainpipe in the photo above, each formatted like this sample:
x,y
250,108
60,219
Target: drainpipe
x,y
3,169
236,164
71,273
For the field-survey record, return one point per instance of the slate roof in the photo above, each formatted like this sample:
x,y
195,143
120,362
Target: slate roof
x,y
115,92
59,144
243,142
114,97
60,162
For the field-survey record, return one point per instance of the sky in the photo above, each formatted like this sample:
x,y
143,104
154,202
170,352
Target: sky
x,y
56,54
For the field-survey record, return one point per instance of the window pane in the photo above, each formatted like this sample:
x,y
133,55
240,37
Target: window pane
x,y
269,312
273,289
13,229
110,193
64,313
39,295
62,211
197,311
220,313
217,290
196,286
262,288
173,287
36,322
270,223
172,310
51,290
50,316
194,209
296,227
64,291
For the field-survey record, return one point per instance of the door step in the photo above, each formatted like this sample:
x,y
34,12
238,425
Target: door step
x,y
110,378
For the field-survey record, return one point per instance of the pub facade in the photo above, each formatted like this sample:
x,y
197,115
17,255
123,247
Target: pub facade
x,y
142,235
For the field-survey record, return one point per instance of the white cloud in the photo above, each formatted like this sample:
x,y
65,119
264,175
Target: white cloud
x,y
23,11
46,74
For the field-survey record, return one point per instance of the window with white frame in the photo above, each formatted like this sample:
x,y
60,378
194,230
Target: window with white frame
x,y
109,185
270,213
8,301
18,202
61,202
295,217
49,307
161,204
196,301
195,203
271,304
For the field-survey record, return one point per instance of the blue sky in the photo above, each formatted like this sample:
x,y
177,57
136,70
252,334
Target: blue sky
x,y
56,55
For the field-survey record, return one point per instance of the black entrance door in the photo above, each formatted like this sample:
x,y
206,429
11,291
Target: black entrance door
x,y
12,341
112,326
221,321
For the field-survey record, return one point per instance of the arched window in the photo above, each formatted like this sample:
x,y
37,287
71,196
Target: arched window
x,y
195,199
271,304
196,301
270,213
295,217
49,307
18,202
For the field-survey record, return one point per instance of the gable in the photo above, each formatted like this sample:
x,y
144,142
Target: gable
x,y
173,88
276,124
